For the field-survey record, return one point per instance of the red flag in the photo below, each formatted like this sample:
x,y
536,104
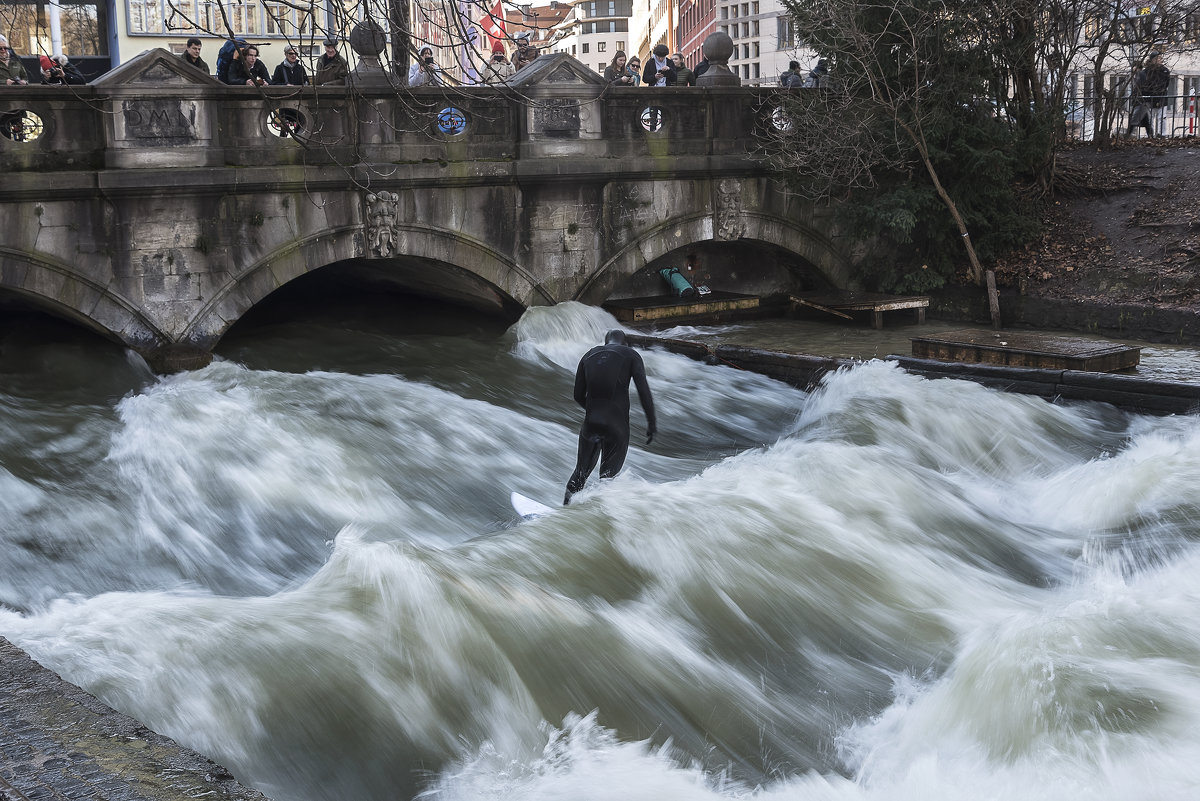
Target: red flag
x,y
493,24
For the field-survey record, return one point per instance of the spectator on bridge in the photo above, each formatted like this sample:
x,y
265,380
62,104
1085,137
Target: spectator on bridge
x,y
659,70
499,69
230,52
332,69
792,79
425,72
290,71
248,70
683,76
526,55
634,70
615,72
701,68
12,71
191,55
818,76
58,71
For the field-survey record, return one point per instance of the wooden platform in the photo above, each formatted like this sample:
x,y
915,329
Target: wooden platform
x,y
877,304
1025,349
713,306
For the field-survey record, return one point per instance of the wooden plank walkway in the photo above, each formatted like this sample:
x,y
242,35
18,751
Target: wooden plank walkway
x,y
713,306
838,302
1026,349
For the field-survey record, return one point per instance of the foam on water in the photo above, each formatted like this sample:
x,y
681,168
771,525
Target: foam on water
x,y
889,588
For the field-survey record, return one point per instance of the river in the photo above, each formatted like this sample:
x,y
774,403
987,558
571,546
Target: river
x,y
302,562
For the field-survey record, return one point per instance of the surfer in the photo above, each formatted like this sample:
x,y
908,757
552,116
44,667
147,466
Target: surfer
x,y
602,389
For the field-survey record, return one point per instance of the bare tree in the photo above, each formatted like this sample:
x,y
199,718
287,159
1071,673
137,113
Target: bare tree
x,y
890,69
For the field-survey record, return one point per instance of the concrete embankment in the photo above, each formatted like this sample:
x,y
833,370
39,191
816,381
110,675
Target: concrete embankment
x,y
1113,320
58,742
800,370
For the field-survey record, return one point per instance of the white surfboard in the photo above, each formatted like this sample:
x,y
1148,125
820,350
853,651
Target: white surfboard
x,y
528,508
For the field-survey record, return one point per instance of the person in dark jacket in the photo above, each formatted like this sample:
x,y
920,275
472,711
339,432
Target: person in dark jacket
x,y
701,68
602,389
1154,82
59,71
248,70
12,71
290,71
792,79
659,71
191,56
332,69
615,72
683,76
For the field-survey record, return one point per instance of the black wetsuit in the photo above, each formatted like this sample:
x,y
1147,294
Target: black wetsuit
x,y
602,389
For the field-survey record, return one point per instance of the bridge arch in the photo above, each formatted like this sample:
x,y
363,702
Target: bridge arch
x,y
55,288
508,285
815,247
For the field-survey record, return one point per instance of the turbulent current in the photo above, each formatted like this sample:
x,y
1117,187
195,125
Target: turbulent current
x,y
303,563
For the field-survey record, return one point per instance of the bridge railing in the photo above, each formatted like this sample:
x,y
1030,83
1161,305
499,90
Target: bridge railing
x,y
59,129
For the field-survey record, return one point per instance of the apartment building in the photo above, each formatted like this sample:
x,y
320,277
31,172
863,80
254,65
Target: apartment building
x,y
594,30
764,40
697,19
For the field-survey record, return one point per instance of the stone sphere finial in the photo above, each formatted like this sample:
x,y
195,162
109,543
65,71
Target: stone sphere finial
x,y
718,47
368,38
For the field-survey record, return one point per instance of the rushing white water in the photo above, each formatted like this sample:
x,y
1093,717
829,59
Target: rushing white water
x,y
891,588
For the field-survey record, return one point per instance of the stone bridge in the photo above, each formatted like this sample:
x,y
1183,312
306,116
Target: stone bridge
x,y
157,206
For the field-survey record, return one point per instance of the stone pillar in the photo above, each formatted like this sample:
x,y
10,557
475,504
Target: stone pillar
x,y
718,47
177,358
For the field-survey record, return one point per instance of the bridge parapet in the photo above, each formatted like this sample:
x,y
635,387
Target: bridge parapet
x,y
155,112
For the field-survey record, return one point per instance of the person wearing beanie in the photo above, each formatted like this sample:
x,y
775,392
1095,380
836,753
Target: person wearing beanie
x,y
499,68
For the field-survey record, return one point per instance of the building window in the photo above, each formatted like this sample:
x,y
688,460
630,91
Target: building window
x,y
585,47
602,47
754,70
746,50
600,67
620,45
754,28
785,33
725,12
572,49
745,29
84,27
754,49
754,7
1191,26
745,9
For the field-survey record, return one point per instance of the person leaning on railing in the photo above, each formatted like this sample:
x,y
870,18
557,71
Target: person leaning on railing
x,y
290,71
332,69
248,70
12,71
